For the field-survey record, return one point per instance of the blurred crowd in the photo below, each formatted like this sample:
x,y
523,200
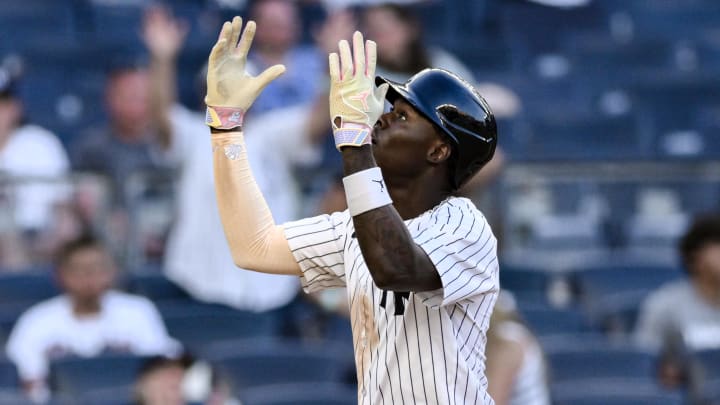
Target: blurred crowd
x,y
133,193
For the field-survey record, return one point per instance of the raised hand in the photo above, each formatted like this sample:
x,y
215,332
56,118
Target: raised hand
x,y
163,35
229,87
355,103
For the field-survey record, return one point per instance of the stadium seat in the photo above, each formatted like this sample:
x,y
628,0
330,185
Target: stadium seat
x,y
583,361
8,374
155,286
121,395
599,391
551,321
585,139
29,22
535,29
27,286
595,280
300,394
76,376
256,362
202,327
709,362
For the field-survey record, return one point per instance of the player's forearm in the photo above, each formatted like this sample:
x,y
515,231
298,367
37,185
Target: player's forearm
x,y
395,261
256,243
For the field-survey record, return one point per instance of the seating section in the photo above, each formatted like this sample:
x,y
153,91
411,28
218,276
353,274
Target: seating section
x,y
256,362
75,376
299,394
607,85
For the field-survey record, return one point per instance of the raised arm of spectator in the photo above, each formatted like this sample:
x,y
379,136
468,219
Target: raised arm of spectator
x,y
164,37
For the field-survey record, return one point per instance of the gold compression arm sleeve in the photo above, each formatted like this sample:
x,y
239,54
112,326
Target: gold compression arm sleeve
x,y
256,243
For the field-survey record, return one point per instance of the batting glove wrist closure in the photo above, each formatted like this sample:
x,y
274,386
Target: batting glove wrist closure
x,y
224,117
351,134
365,190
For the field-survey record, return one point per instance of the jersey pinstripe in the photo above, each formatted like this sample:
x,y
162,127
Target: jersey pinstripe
x,y
432,352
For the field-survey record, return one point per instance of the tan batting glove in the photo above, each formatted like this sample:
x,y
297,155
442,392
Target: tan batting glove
x,y
355,103
231,90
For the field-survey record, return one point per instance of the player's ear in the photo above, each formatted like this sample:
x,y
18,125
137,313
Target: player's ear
x,y
439,151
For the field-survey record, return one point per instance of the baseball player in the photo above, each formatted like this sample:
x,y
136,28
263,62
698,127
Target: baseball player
x,y
419,264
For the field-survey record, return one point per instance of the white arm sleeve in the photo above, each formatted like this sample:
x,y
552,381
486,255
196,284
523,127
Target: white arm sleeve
x,y
256,243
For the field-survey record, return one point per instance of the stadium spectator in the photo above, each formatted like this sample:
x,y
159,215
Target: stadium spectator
x,y
278,41
516,368
197,256
88,319
401,52
684,315
179,381
32,161
125,144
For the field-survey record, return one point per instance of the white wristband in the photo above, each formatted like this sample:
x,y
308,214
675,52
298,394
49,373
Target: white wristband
x,y
365,191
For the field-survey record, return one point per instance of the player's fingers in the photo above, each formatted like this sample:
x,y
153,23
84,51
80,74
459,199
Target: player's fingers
x,y
220,46
381,91
346,64
359,52
217,51
246,39
371,55
235,33
270,74
334,64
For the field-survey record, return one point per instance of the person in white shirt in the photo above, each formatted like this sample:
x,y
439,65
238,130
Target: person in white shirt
x,y
88,319
32,161
420,264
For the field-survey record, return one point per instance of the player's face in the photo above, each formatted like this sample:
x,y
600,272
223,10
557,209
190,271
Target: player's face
x,y
402,139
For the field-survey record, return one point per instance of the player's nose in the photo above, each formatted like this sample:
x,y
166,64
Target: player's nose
x,y
383,121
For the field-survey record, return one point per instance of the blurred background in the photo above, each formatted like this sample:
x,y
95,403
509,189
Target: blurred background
x,y
604,194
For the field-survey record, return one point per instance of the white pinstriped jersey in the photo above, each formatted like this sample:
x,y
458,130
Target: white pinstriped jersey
x,y
433,352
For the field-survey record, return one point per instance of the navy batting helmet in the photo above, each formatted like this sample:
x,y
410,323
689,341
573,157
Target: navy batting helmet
x,y
458,110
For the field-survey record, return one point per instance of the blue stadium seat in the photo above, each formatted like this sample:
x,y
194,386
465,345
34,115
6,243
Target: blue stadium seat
x,y
256,362
300,394
599,279
585,361
615,391
117,25
669,100
122,395
155,286
30,22
552,321
8,374
709,362
17,397
9,314
533,29
27,286
200,328
76,376
585,138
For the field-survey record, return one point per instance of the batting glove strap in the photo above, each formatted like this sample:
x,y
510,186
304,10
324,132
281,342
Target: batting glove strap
x,y
354,135
224,117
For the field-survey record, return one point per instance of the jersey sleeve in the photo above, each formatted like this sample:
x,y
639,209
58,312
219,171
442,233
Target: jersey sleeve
x,y
318,246
463,249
